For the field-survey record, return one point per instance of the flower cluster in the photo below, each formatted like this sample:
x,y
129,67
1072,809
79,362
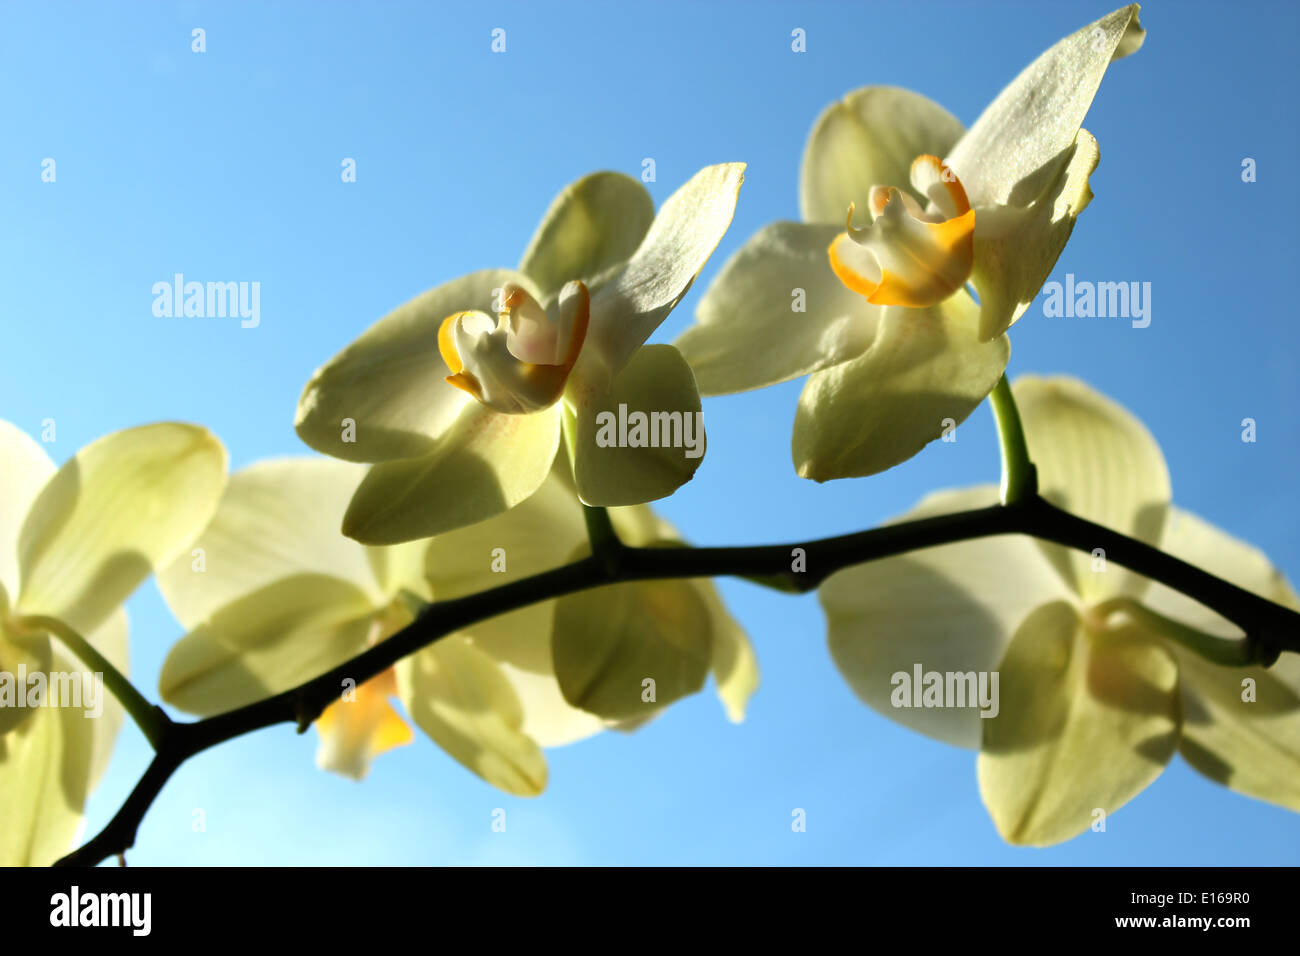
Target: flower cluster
x,y
466,444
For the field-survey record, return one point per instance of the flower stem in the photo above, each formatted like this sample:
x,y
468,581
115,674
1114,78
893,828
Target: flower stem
x,y
605,544
1019,477
150,719
1271,628
1227,652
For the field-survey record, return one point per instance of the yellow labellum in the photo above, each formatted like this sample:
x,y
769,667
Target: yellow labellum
x,y
908,256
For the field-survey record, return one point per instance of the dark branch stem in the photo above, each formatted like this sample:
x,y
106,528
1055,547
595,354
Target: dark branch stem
x,y
1270,628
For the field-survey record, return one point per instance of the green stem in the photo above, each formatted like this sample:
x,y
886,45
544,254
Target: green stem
x,y
1019,477
1228,652
605,544
150,719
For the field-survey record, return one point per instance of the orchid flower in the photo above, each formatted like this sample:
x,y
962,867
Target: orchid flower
x,y
1098,687
74,543
879,316
283,597
463,413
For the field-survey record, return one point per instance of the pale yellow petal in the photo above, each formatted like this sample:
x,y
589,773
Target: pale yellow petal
x,y
1085,724
122,506
26,469
952,608
1097,461
42,789
1035,119
1241,726
1212,549
732,662
625,650
1016,246
643,438
549,719
544,532
52,762
110,640
684,234
268,641
925,372
459,696
384,397
277,519
869,138
775,312
594,224
485,463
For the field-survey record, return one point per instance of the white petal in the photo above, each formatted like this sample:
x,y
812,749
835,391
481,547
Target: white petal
x,y
687,229
1036,118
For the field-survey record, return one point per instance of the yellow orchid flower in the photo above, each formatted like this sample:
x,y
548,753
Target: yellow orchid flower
x,y
282,597
879,318
74,543
463,413
1096,688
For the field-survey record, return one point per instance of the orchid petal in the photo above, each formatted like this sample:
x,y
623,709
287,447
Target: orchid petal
x,y
868,138
657,389
925,372
486,463
775,312
687,229
592,225
1085,723
122,506
1097,461
385,397
1036,118
950,608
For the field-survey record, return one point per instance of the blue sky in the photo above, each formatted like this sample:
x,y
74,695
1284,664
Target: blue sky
x,y
225,165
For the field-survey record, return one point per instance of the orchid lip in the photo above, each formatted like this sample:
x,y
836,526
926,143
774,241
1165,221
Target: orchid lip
x,y
909,256
521,363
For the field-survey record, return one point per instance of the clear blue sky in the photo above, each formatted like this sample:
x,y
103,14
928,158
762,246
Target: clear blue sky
x,y
225,165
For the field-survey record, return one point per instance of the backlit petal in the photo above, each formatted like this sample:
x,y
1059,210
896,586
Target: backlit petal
x,y
687,229
485,463
868,138
594,224
952,608
389,383
925,371
1095,460
644,438
1036,118
459,696
1084,725
122,506
277,519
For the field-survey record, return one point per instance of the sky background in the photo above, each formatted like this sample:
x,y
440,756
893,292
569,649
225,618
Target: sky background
x,y
226,166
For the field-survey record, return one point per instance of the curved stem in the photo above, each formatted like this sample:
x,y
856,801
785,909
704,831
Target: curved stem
x,y
1270,628
1226,652
151,720
1019,477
